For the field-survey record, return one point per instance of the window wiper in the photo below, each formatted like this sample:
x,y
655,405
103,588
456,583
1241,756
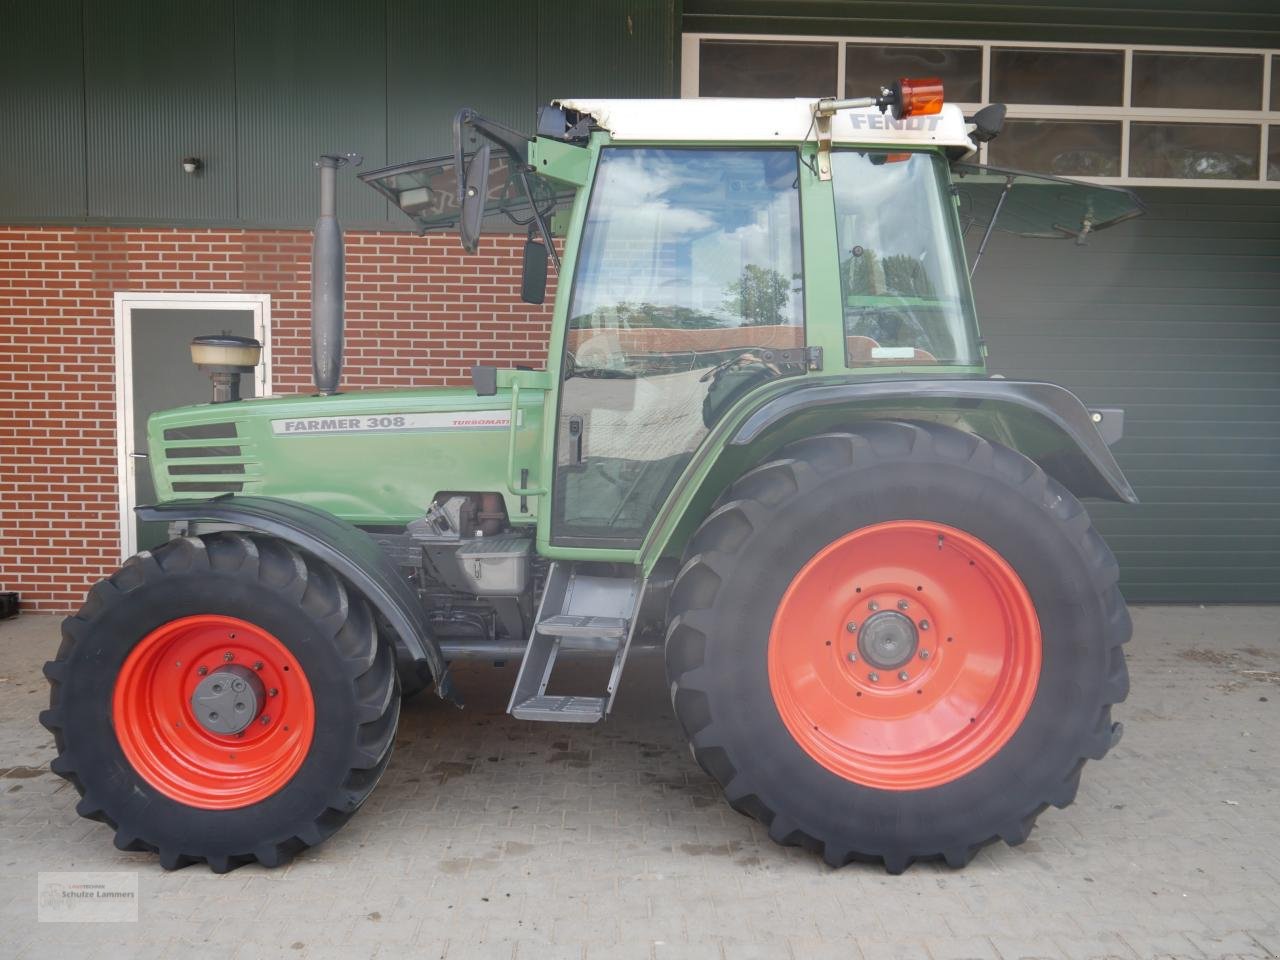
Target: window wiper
x,y
991,224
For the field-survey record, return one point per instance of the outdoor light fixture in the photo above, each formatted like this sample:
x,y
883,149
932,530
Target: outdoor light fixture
x,y
192,165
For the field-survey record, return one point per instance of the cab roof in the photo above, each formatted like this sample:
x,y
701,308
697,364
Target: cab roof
x,y
742,120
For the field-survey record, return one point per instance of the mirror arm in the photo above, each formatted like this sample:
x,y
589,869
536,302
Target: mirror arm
x,y
539,218
991,225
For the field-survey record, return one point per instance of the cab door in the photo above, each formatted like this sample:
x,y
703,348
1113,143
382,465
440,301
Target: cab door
x,y
687,294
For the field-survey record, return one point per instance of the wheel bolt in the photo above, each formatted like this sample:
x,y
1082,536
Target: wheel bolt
x,y
228,656
873,606
257,665
902,604
873,677
903,675
202,670
924,624
272,692
924,654
853,657
851,627
265,719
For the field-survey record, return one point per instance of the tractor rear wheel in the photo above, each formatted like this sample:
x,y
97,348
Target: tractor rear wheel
x,y
251,702
895,643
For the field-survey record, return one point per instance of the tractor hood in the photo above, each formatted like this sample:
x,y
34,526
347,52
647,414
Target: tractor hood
x,y
376,457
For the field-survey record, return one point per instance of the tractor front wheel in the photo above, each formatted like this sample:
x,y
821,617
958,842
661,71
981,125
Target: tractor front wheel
x,y
897,643
222,698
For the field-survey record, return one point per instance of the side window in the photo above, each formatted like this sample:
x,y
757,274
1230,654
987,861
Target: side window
x,y
904,295
687,294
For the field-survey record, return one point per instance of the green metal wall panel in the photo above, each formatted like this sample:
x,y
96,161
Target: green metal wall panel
x,y
440,59
41,110
1230,23
160,86
1172,317
615,48
311,78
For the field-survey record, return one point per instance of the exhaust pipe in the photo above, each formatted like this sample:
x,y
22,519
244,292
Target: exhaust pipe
x,y
327,277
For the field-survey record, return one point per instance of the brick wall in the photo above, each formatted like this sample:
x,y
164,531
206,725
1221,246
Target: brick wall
x,y
419,313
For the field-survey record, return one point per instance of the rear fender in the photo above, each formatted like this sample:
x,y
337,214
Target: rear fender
x,y
1043,421
347,549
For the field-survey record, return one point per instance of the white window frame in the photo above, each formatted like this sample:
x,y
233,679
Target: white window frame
x,y
1126,114
125,304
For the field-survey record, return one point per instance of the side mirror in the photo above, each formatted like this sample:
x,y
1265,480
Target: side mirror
x,y
533,277
988,122
473,199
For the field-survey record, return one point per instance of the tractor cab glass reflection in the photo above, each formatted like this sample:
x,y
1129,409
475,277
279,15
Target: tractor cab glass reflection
x,y
687,294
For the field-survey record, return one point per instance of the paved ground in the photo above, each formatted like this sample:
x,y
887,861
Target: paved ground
x,y
491,838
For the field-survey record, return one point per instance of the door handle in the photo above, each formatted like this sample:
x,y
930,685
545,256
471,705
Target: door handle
x,y
575,438
138,456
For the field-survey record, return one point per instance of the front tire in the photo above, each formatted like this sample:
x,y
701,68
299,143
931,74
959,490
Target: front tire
x,y
897,643
252,702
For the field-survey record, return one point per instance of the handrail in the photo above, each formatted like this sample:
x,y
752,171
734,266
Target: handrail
x,y
513,484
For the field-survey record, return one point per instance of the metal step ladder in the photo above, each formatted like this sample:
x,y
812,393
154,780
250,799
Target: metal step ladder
x,y
579,612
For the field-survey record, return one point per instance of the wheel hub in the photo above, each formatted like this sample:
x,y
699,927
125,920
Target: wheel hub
x,y
888,640
228,700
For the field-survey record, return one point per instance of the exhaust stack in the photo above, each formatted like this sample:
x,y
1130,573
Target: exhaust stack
x,y
327,278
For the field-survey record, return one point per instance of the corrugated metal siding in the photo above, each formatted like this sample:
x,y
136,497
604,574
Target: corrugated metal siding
x,y
630,44
259,89
1173,317
1230,23
311,78
41,110
160,86
490,69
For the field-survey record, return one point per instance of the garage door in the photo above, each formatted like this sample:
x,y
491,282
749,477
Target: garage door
x,y
1176,318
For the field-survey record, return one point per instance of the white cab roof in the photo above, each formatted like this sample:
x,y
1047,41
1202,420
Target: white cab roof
x,y
748,120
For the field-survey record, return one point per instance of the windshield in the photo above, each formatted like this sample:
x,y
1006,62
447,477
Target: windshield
x,y
426,190
1039,206
905,298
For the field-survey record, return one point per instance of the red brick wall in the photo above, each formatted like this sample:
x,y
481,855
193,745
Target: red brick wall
x,y
419,313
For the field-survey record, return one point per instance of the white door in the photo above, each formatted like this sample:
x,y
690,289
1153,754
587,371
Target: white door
x,y
154,372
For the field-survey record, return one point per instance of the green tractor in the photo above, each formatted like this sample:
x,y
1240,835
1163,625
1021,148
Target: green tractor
x,y
765,443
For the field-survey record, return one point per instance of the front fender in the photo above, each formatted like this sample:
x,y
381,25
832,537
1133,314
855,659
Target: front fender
x,y
347,549
1043,421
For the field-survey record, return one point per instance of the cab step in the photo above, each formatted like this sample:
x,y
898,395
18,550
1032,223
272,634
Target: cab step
x,y
581,612
561,709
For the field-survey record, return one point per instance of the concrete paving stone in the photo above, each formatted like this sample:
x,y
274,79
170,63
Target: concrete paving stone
x,y
669,950
619,951
1267,938
907,949
803,948
961,948
473,950
529,950
1016,948
1236,943
591,829
1095,946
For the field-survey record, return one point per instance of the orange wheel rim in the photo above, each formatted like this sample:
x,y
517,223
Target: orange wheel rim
x,y
213,712
904,655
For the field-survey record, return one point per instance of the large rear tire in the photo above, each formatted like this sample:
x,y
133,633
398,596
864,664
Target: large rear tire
x,y
252,702
897,643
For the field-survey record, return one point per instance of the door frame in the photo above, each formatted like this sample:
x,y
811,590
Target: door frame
x,y
259,304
